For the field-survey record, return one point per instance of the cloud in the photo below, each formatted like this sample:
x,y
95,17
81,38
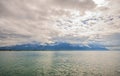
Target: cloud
x,y
111,7
34,20
81,5
43,21
40,8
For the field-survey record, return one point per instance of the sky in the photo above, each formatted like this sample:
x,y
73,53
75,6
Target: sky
x,y
49,21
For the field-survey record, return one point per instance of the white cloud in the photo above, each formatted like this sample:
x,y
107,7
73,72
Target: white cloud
x,y
74,21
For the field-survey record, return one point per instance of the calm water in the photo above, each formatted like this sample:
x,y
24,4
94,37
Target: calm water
x,y
51,63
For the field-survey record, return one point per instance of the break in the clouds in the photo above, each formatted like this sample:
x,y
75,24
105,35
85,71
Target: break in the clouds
x,y
50,21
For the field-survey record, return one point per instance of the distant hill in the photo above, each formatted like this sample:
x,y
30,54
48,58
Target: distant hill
x,y
54,47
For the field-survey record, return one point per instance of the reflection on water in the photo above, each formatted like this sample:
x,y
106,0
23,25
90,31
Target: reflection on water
x,y
54,63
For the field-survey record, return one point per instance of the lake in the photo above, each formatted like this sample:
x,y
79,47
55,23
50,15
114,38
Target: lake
x,y
59,63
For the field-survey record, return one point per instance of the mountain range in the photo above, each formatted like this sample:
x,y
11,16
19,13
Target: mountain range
x,y
54,47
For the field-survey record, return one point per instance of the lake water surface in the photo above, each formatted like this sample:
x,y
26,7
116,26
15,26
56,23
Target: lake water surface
x,y
59,63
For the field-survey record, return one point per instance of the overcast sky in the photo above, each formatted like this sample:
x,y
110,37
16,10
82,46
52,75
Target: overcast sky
x,y
50,21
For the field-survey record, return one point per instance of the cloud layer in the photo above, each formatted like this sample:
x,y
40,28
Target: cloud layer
x,y
73,21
